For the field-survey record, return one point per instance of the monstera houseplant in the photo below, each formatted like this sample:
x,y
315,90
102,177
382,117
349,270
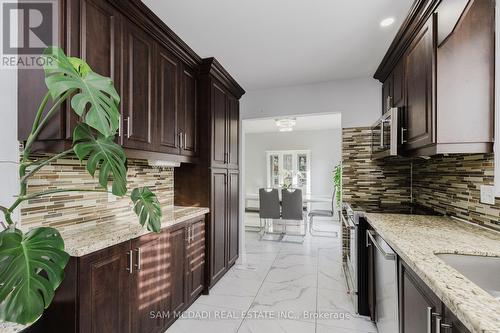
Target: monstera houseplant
x,y
32,263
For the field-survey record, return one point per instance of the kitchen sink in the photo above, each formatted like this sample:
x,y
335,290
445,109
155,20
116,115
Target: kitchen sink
x,y
483,271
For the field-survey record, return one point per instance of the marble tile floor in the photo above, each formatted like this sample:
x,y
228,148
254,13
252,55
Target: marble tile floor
x,y
279,287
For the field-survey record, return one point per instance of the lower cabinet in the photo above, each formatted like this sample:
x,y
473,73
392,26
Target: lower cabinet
x,y
420,309
138,286
224,226
418,305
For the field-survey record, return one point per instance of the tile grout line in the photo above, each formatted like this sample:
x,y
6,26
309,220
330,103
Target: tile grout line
x,y
317,292
260,287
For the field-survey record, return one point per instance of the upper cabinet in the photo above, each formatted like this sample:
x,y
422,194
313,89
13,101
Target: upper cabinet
x,y
419,64
219,103
155,73
440,71
138,88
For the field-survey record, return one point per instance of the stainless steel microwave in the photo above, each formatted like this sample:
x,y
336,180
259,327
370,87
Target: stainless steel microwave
x,y
386,134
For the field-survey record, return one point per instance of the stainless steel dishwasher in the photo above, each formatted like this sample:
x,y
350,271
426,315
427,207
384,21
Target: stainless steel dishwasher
x,y
386,284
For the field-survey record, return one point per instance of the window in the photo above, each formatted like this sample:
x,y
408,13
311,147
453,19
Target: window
x,y
289,168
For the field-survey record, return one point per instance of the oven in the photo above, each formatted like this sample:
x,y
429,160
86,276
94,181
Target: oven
x,y
350,253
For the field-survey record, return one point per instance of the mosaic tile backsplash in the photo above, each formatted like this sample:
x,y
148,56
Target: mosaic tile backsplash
x,y
367,180
451,184
448,184
63,209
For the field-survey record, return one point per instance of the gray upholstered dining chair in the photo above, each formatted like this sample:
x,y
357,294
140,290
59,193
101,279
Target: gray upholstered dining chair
x,y
322,213
292,210
269,207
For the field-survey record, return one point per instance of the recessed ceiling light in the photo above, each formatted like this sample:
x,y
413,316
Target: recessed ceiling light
x,y
387,22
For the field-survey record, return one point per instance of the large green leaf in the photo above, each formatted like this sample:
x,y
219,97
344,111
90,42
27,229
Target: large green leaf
x,y
147,207
31,269
103,154
96,100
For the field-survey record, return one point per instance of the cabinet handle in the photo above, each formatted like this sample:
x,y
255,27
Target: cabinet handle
x,y
440,325
130,267
429,319
403,130
139,260
180,140
185,140
128,127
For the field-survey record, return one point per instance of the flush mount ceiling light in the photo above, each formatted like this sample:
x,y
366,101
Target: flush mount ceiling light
x,y
285,124
387,22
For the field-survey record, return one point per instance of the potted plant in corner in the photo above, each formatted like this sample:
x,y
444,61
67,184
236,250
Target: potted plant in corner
x,y
32,263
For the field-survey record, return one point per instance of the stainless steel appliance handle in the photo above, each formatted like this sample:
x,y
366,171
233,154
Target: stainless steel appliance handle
x,y
347,224
387,256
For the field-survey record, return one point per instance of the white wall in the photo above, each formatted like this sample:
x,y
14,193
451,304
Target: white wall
x,y
9,147
358,100
325,147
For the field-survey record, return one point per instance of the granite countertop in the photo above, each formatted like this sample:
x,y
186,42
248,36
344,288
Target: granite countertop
x,y
417,239
11,327
80,240
87,238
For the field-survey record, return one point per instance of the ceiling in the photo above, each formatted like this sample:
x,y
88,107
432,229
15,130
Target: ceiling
x,y
303,123
270,43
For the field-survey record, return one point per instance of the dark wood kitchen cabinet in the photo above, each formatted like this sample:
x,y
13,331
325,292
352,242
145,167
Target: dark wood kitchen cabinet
x,y
149,282
440,66
420,309
214,181
218,232
136,286
168,99
196,259
153,70
188,124
104,278
233,210
418,305
420,85
178,294
138,88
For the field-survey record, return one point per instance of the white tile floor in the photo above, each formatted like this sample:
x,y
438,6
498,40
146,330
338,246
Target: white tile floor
x,y
280,288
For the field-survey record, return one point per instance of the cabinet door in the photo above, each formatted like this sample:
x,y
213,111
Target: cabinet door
x,y
387,94
417,303
196,258
104,290
233,216
189,113
138,99
219,132
233,123
168,81
178,269
420,61
149,288
398,84
218,213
